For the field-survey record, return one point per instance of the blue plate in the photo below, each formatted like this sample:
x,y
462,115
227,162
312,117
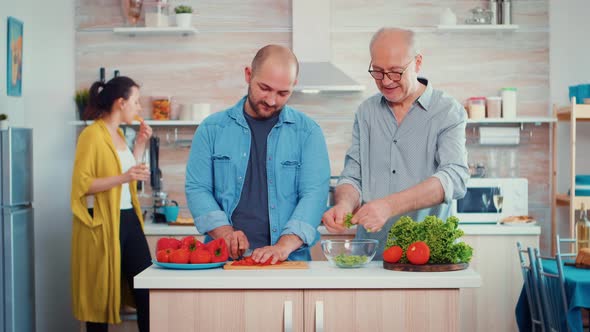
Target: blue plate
x,y
188,266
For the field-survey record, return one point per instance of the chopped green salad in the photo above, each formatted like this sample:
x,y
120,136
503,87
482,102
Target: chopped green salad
x,y
343,260
347,220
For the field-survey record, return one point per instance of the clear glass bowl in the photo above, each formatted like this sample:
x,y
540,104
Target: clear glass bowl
x,y
349,253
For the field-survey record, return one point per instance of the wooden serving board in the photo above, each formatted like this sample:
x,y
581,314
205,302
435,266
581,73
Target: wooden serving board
x,y
425,267
288,265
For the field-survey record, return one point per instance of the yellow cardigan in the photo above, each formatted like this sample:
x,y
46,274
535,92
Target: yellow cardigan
x,y
96,256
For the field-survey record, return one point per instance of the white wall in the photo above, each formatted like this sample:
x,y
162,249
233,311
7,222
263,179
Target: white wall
x,y
46,105
569,65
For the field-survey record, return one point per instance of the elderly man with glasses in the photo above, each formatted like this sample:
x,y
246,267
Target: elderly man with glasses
x,y
408,152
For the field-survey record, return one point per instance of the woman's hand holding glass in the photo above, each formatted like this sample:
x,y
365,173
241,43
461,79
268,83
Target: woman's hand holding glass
x,y
138,172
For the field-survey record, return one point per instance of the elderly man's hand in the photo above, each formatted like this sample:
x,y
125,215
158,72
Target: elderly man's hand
x,y
373,215
333,219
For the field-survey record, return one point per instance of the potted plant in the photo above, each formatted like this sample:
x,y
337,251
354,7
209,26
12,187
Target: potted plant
x,y
183,16
3,121
81,99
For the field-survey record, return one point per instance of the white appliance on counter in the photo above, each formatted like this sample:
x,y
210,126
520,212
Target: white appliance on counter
x,y
488,200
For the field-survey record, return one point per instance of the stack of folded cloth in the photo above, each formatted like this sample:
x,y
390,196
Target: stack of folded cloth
x,y
583,257
582,185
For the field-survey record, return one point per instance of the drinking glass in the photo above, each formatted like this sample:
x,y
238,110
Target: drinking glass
x,y
143,160
498,199
486,199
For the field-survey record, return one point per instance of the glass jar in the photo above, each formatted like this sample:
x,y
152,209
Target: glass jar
x,y
494,107
509,103
476,107
583,229
156,14
161,108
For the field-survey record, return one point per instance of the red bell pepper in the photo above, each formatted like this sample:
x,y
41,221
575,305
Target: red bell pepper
x,y
218,250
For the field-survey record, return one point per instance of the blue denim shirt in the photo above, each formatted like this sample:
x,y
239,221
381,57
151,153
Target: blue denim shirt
x,y
298,172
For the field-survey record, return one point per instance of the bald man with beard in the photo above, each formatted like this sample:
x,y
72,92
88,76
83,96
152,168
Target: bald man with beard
x,y
258,173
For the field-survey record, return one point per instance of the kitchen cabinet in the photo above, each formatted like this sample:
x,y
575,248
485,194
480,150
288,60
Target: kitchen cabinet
x,y
381,310
322,298
226,310
573,113
491,306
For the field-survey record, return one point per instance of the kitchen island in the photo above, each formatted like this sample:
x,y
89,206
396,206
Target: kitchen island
x,y
321,298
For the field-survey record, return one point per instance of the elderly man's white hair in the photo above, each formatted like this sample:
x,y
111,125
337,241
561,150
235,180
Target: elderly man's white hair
x,y
409,34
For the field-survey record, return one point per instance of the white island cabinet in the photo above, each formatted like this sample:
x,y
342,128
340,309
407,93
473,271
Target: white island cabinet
x,y
321,298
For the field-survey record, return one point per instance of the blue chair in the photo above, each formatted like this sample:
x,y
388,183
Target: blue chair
x,y
533,297
571,243
553,298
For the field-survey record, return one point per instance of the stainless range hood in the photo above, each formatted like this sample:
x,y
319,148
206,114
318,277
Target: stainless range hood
x,y
312,46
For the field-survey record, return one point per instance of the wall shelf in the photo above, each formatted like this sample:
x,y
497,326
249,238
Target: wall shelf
x,y
573,113
149,122
520,120
136,31
478,27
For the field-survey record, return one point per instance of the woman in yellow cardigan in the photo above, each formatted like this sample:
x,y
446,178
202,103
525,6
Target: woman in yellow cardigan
x,y
108,244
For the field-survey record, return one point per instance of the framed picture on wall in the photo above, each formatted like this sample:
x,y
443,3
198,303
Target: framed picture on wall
x,y
14,61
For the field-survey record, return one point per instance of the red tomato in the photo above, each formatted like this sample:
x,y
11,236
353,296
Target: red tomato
x,y
180,256
418,253
393,254
167,243
200,256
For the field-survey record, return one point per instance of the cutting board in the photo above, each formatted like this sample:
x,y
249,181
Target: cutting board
x,y
425,267
288,265
180,224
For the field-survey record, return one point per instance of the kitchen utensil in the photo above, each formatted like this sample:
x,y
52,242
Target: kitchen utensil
x,y
447,17
287,265
349,253
171,211
494,12
479,16
506,12
425,267
246,253
175,266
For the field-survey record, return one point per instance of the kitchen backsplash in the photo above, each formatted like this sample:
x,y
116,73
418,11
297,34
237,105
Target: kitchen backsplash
x,y
208,68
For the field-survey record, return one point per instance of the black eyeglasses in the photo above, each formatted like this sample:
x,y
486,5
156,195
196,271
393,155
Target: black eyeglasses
x,y
394,76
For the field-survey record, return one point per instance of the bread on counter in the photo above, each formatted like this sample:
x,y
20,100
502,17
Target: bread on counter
x,y
583,257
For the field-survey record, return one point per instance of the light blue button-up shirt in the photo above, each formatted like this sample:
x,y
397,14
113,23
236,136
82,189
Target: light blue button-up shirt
x,y
298,173
386,157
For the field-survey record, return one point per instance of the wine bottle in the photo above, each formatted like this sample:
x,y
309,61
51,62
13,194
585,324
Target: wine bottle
x,y
583,229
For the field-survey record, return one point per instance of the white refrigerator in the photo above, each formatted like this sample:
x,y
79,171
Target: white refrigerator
x,y
17,274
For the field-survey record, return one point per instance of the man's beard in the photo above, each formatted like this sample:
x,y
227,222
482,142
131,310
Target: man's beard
x,y
255,107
